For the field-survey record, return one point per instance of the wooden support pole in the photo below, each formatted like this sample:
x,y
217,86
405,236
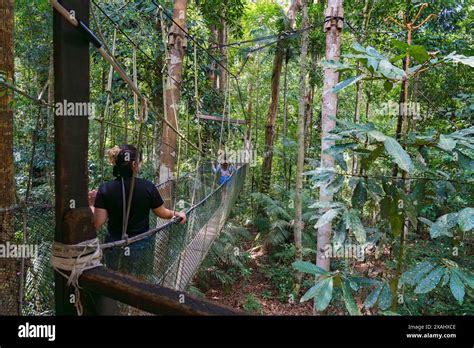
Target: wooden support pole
x,y
151,298
74,221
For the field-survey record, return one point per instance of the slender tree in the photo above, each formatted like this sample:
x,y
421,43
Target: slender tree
x,y
301,142
274,99
176,47
9,267
333,28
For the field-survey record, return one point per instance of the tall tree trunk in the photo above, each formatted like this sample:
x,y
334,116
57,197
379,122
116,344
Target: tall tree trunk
x,y
333,29
214,37
285,121
222,40
248,133
362,38
302,111
274,99
176,47
50,126
9,267
158,101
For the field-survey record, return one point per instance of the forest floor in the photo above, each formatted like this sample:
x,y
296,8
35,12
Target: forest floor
x,y
264,294
256,285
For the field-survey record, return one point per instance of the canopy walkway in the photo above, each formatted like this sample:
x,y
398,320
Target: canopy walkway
x,y
178,250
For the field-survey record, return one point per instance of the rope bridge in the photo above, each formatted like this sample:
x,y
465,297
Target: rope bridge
x,y
173,252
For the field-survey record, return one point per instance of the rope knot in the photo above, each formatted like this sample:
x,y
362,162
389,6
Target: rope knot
x,y
76,258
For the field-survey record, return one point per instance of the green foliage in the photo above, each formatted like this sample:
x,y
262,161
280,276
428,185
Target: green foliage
x,y
252,304
277,268
428,275
276,226
464,219
226,262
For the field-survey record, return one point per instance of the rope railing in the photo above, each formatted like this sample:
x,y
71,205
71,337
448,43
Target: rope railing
x,y
172,256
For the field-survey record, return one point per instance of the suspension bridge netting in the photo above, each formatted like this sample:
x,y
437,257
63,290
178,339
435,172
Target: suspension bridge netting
x,y
170,256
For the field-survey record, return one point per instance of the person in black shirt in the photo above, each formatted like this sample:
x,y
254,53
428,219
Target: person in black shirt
x,y
109,204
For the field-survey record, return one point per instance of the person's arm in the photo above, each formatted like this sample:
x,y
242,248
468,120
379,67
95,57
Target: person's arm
x,y
97,205
92,194
100,217
165,213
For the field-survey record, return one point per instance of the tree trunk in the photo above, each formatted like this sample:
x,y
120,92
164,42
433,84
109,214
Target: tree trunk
x,y
285,121
222,39
365,16
106,112
302,112
213,65
333,29
50,126
158,101
176,48
9,267
248,133
274,99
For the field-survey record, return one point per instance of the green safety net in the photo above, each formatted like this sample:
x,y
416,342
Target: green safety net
x,y
170,257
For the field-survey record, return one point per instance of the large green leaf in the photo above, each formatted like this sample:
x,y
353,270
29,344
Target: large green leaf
x,y
377,135
446,143
346,83
327,217
340,235
399,155
348,298
446,277
457,287
400,45
419,53
324,295
414,275
467,278
372,298
443,225
359,196
459,58
321,292
353,222
385,298
390,71
358,47
466,219
308,267
335,185
430,281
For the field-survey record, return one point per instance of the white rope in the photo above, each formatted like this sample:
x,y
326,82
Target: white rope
x,y
76,258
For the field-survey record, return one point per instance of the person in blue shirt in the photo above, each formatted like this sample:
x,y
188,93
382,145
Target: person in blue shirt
x,y
225,171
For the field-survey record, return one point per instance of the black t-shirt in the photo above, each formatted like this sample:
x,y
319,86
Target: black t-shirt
x,y
145,197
